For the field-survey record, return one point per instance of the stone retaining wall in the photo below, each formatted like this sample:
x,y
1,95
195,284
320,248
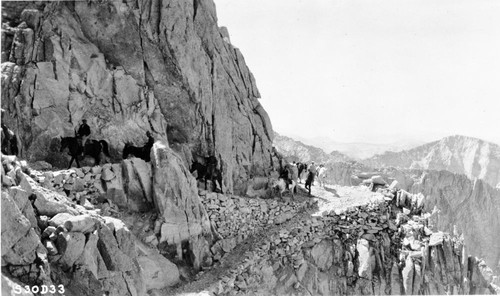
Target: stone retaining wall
x,y
380,248
235,218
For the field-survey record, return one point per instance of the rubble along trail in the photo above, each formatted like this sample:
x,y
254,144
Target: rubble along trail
x,y
328,198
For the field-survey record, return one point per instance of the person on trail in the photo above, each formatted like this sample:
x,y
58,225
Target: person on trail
x,y
310,177
83,133
148,146
295,172
151,140
8,139
321,175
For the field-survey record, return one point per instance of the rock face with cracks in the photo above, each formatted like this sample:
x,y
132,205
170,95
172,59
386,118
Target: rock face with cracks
x,y
162,66
70,239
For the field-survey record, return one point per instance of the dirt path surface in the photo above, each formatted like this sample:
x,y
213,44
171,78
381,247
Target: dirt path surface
x,y
339,198
329,198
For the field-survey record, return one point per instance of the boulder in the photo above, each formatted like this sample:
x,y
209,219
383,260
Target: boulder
x,y
50,203
59,219
158,271
21,198
24,250
436,239
176,197
378,180
322,255
90,257
199,250
114,258
18,224
364,262
70,245
80,223
41,165
13,287
136,175
407,275
114,187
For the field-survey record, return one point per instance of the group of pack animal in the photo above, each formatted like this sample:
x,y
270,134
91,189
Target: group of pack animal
x,y
287,179
206,168
288,176
80,145
9,141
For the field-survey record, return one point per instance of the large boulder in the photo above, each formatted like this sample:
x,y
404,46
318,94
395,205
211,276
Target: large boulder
x,y
176,197
158,271
137,184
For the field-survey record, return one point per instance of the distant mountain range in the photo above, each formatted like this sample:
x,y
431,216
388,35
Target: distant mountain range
x,y
296,150
358,150
472,157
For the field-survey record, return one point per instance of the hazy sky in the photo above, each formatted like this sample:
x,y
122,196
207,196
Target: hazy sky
x,y
372,71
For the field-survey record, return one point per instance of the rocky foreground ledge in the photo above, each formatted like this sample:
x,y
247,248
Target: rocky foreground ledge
x,y
106,229
384,244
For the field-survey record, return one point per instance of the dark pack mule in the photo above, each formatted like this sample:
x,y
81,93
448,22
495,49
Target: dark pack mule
x,y
139,152
206,168
92,148
9,141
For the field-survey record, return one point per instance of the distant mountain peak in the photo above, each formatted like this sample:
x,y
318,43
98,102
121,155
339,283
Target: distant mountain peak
x,y
297,150
473,157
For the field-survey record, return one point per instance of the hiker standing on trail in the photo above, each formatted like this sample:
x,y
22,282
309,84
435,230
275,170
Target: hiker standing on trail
x,y
151,140
293,175
310,177
295,172
83,133
321,175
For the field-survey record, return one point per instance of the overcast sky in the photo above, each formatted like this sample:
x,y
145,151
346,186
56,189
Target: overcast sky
x,y
372,71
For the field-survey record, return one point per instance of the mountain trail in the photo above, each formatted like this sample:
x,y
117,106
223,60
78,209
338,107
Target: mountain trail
x,y
328,198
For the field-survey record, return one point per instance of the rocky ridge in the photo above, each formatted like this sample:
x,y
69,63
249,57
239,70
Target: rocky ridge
x,y
274,247
129,68
472,157
469,207
298,151
383,247
103,228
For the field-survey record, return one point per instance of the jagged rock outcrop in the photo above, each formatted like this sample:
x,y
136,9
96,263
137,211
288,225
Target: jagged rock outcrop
x,y
175,195
56,231
127,68
381,248
472,157
472,206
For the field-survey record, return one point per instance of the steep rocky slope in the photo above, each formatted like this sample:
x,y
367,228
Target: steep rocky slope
x,y
373,245
129,67
472,206
116,229
472,157
299,151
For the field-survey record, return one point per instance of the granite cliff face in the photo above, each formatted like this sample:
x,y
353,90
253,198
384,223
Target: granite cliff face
x,y
458,154
128,67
